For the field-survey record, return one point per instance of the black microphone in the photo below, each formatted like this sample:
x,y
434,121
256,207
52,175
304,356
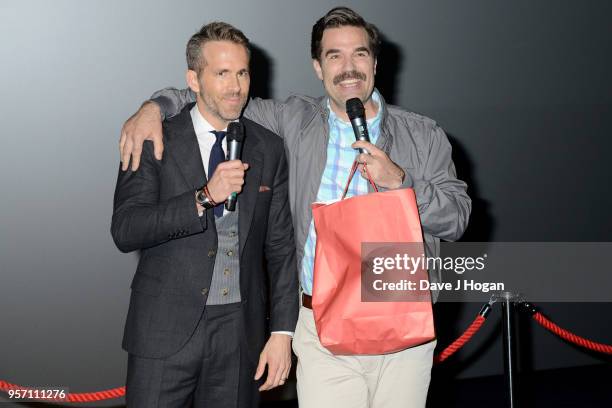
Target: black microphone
x,y
235,137
356,114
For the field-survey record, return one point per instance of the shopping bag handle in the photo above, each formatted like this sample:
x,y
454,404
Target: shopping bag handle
x,y
353,170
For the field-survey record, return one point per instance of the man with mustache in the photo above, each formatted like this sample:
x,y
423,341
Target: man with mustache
x,y
196,327
407,151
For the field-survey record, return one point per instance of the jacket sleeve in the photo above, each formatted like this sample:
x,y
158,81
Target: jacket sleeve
x,y
140,220
267,113
442,199
280,254
171,100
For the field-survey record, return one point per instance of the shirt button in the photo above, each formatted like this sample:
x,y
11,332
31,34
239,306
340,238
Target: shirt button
x,y
232,233
230,253
211,253
226,272
224,291
204,291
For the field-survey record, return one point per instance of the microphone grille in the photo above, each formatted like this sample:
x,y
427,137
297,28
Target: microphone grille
x,y
354,108
235,132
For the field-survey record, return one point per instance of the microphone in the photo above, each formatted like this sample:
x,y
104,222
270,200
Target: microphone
x,y
356,114
235,137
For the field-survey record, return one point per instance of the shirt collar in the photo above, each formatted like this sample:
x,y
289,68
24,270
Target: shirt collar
x,y
200,124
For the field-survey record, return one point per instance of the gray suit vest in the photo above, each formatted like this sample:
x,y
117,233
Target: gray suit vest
x,y
225,285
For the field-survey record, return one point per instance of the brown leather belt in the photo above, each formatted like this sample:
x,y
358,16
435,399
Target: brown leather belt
x,y
307,301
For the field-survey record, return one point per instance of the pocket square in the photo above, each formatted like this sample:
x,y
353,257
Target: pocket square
x,y
263,188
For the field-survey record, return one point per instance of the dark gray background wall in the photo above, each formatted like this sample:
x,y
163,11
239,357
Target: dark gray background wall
x,y
522,88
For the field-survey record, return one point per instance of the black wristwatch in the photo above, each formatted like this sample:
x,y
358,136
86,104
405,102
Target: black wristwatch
x,y
203,200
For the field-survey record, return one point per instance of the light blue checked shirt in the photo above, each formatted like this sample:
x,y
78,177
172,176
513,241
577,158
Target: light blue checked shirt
x,y
340,158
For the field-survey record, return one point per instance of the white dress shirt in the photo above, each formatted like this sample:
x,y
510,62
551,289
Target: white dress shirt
x,y
206,140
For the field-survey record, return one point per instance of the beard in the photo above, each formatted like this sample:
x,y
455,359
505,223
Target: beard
x,y
227,114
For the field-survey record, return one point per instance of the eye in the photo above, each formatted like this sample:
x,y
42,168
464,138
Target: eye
x,y
243,74
221,73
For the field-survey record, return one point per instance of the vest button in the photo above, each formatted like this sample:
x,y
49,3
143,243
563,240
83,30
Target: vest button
x,y
211,253
204,291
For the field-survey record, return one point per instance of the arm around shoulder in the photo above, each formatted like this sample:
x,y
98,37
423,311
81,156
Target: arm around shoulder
x,y
265,112
145,124
171,100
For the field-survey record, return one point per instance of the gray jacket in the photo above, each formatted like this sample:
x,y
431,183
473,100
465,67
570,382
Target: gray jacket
x,y
414,142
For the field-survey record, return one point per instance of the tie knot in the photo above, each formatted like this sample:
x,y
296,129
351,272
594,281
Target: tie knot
x,y
219,134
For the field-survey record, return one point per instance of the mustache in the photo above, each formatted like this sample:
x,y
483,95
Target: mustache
x,y
349,75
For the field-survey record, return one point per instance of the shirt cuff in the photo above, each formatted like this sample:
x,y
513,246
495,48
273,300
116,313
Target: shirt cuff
x,y
408,180
288,333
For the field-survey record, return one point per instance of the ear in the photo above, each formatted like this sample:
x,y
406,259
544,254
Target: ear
x,y
317,67
192,81
375,64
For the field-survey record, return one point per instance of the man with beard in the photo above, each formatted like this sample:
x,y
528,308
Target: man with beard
x,y
192,338
407,151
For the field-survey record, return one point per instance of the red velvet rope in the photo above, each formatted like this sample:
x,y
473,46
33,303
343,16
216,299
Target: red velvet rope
x,y
460,342
571,337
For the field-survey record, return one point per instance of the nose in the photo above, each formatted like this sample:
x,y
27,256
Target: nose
x,y
234,85
349,64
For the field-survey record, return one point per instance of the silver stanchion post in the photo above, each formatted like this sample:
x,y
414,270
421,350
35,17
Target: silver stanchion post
x,y
508,300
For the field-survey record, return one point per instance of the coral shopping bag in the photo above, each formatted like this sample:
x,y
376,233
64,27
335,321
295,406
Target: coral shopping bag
x,y
345,324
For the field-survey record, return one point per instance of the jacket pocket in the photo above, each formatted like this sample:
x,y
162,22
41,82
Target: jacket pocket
x,y
146,284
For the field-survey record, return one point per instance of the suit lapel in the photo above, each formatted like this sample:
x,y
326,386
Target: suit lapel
x,y
182,146
247,199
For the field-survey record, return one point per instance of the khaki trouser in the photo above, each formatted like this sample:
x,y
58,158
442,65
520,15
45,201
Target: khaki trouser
x,y
381,381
